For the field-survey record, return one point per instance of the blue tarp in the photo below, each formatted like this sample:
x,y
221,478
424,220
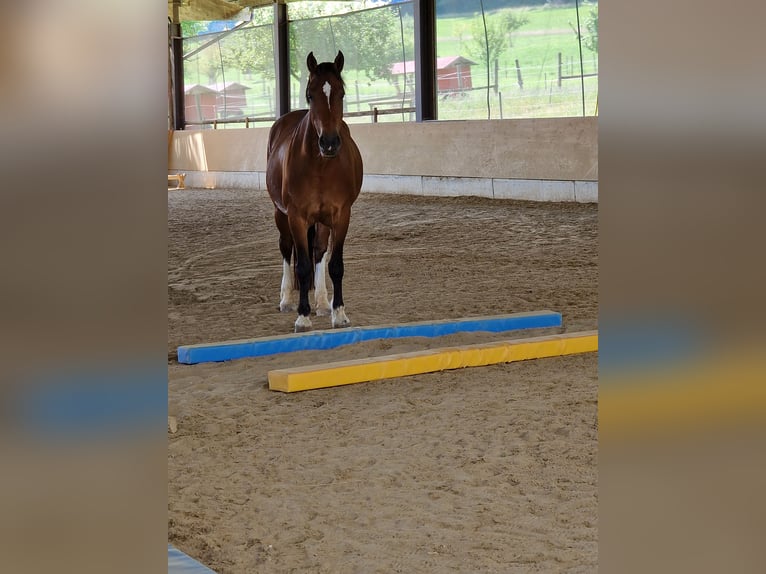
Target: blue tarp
x,y
180,563
320,340
91,402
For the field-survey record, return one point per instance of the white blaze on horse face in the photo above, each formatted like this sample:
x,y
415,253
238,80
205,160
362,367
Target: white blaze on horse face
x,y
327,89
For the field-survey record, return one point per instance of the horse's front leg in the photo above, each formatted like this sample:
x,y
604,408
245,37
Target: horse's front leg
x,y
303,272
339,317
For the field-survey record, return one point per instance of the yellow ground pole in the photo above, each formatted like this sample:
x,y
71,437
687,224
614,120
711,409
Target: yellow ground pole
x,y
429,361
723,388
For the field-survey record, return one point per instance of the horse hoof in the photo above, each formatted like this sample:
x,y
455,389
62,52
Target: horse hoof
x,y
339,318
302,324
288,307
323,311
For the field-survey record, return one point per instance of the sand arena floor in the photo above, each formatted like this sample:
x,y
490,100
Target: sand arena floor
x,y
478,470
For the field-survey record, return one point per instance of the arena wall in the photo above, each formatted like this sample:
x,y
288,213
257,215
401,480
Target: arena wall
x,y
550,159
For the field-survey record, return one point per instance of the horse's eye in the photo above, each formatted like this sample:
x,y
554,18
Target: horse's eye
x,y
308,98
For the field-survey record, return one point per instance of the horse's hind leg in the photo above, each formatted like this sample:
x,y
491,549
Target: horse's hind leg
x,y
288,294
339,317
321,302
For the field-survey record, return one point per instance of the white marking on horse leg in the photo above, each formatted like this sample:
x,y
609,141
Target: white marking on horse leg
x,y
286,291
321,302
339,318
302,323
327,89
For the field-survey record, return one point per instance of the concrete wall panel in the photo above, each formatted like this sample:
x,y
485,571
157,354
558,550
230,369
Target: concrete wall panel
x,y
552,159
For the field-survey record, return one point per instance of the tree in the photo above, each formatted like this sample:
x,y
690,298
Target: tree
x,y
487,46
370,41
207,62
591,25
513,21
204,66
210,65
249,50
487,49
190,29
590,39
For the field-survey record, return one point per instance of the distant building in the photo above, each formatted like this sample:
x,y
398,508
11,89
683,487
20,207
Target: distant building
x,y
215,101
200,103
232,100
453,74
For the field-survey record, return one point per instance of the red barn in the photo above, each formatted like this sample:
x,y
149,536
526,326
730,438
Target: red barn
x,y
453,74
200,103
232,100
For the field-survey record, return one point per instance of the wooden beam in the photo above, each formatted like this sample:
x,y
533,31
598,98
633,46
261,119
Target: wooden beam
x,y
425,60
281,59
177,65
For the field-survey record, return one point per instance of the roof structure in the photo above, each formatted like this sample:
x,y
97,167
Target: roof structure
x,y
408,67
207,10
218,88
199,89
221,87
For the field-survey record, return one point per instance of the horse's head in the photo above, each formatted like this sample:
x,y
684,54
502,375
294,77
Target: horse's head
x,y
324,94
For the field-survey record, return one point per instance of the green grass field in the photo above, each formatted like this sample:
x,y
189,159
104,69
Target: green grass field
x,y
535,45
540,18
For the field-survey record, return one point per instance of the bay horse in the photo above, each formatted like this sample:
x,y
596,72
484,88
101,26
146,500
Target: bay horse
x,y
313,176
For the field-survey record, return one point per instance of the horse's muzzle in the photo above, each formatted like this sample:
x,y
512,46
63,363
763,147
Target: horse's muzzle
x,y
329,145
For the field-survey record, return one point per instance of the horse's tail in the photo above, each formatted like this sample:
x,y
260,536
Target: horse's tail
x,y
312,231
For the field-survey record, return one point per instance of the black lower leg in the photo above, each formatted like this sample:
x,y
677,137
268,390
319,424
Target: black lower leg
x,y
285,237
335,268
311,236
303,272
286,249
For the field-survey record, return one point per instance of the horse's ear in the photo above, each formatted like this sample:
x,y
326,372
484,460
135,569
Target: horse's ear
x,y
339,61
311,62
